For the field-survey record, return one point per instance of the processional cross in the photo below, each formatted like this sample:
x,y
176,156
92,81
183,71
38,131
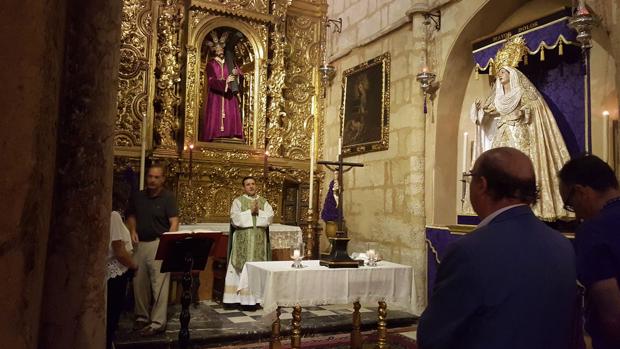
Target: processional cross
x,y
338,257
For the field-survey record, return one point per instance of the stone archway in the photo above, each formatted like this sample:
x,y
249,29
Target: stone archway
x,y
454,80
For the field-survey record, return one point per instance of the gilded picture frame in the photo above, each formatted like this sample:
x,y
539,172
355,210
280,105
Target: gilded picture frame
x,y
365,108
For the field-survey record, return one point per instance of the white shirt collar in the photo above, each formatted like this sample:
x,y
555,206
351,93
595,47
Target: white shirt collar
x,y
492,216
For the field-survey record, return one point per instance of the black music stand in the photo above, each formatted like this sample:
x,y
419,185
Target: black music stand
x,y
184,252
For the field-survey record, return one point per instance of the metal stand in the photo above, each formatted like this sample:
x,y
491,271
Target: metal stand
x,y
339,257
182,252
185,301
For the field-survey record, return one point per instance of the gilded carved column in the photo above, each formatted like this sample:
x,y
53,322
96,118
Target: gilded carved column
x,y
275,82
167,74
136,59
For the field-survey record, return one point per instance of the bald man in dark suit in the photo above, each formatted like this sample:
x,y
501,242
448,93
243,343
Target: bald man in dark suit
x,y
511,283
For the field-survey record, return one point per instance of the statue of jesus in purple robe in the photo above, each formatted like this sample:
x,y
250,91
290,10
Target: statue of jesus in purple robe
x,y
222,115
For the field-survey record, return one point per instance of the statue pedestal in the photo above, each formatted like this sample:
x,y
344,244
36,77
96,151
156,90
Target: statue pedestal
x,y
338,257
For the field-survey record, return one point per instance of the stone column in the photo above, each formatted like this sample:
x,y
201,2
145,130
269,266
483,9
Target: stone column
x,y
73,309
31,51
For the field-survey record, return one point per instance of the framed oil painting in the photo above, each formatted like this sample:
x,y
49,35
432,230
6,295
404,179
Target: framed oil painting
x,y
365,107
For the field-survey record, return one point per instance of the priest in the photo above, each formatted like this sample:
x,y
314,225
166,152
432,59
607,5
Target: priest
x,y
250,216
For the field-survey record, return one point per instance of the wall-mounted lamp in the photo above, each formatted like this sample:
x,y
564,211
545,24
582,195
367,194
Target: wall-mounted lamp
x,y
326,70
426,79
582,22
433,16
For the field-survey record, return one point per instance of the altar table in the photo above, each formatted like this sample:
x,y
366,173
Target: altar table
x,y
277,284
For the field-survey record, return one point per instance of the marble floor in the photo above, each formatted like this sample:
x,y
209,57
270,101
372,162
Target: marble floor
x,y
211,325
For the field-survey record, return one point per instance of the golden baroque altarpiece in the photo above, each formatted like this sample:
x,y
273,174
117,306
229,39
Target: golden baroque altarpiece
x,y
161,100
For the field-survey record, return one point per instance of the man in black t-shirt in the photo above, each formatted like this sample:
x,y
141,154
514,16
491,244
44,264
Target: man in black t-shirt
x,y
590,188
151,212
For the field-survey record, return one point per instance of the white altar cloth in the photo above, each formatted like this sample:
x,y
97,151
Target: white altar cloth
x,y
276,284
280,235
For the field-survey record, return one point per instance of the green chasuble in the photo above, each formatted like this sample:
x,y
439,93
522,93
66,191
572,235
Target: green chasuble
x,y
249,244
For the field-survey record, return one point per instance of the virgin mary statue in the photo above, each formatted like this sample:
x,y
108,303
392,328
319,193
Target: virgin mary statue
x,y
516,115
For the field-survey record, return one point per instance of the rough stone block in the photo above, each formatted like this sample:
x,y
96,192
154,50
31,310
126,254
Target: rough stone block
x,y
400,171
369,25
389,200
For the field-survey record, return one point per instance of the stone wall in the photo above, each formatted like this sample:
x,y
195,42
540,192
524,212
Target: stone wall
x,y
384,200
607,70
414,183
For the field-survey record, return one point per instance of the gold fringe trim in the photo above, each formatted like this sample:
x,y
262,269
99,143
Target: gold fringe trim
x,y
433,250
541,46
542,54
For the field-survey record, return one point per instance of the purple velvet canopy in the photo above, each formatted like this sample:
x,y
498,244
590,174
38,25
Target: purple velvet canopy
x,y
558,72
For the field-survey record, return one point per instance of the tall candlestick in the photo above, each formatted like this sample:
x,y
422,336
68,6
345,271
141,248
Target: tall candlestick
x,y
465,144
191,150
143,152
265,161
311,172
606,136
472,146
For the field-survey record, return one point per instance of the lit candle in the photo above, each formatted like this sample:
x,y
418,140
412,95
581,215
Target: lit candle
x,y
465,146
311,172
424,69
605,136
472,145
370,253
296,254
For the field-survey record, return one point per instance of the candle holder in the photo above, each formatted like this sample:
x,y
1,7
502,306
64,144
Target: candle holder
x,y
372,258
582,22
297,254
464,179
426,79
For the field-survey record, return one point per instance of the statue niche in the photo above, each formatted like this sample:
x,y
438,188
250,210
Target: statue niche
x,y
226,108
